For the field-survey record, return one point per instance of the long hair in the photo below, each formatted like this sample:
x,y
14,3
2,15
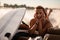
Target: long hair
x,y
40,7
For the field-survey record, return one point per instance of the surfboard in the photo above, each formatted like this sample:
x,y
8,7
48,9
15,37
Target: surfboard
x,y
11,21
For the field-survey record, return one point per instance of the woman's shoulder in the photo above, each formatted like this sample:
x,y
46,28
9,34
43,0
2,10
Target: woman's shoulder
x,y
32,20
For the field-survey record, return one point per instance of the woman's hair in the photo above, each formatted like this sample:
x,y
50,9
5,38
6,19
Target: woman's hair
x,y
40,7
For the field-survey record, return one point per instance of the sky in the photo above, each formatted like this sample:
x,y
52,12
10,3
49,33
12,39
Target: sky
x,y
45,3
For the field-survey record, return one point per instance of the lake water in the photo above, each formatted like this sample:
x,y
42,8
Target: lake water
x,y
54,17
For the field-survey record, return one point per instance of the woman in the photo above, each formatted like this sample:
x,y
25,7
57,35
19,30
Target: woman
x,y
40,22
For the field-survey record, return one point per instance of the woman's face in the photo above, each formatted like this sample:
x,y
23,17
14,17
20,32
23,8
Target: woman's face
x,y
40,13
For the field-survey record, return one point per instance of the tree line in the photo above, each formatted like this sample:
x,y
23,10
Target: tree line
x,y
17,6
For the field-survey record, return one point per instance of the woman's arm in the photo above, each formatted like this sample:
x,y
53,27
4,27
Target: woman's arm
x,y
40,28
33,26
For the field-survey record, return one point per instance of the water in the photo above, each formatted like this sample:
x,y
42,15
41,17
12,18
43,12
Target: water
x,y
54,17
4,11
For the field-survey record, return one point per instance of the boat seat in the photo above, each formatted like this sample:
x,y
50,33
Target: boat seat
x,y
20,35
55,31
51,37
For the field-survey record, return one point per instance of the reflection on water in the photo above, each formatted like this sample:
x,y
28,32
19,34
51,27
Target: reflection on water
x,y
54,17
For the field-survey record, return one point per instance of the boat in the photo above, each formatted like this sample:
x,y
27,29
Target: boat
x,y
9,28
